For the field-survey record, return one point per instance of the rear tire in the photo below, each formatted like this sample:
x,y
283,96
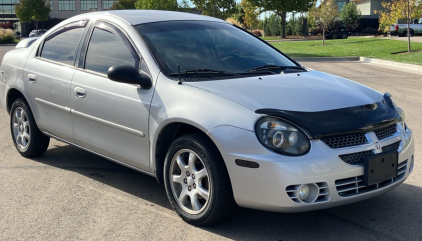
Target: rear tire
x,y
196,180
28,139
344,35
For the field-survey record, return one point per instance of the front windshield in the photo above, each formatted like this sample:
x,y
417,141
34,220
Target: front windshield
x,y
201,45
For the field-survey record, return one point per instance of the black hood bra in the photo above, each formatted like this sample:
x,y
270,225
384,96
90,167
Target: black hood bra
x,y
357,119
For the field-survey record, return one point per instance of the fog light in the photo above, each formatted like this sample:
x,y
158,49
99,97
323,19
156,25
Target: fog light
x,y
304,192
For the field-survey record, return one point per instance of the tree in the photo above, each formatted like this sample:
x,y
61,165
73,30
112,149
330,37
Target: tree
x,y
170,5
399,9
239,14
282,7
32,10
123,4
216,8
251,14
325,14
350,14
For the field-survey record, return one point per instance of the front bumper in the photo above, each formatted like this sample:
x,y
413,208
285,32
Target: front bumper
x,y
266,187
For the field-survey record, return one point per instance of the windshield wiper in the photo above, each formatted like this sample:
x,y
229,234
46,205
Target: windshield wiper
x,y
268,67
202,72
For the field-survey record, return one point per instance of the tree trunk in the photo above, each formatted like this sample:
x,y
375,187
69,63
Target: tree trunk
x,y
408,25
408,35
323,36
283,24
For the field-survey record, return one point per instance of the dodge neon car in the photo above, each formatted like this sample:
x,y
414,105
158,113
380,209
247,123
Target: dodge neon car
x,y
217,115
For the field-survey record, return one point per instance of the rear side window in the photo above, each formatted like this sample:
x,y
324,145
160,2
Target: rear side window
x,y
62,45
109,47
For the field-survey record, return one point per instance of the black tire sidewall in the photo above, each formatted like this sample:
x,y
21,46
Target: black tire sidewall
x,y
199,150
34,148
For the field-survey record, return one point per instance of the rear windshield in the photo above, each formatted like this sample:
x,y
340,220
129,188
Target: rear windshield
x,y
207,45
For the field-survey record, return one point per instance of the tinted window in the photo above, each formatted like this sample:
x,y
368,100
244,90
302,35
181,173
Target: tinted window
x,y
207,45
107,49
62,45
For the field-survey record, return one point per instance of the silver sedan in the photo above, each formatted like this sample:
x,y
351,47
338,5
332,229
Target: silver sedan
x,y
217,115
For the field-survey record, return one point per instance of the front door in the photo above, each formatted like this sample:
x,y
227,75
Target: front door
x,y
110,118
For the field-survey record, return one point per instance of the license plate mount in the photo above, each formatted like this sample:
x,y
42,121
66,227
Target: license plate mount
x,y
380,167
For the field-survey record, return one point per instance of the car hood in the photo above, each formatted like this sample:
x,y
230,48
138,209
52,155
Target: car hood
x,y
305,91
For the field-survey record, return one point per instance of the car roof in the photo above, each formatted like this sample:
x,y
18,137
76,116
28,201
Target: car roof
x,y
135,17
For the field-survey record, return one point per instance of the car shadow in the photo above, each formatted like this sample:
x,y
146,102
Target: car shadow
x,y
395,215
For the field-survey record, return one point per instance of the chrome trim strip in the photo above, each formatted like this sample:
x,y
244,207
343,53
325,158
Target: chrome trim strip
x,y
108,123
101,155
52,105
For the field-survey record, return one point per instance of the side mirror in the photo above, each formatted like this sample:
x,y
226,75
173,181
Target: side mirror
x,y
129,75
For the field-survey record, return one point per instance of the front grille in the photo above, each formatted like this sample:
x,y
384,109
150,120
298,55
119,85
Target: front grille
x,y
395,146
323,195
386,132
353,186
345,141
355,158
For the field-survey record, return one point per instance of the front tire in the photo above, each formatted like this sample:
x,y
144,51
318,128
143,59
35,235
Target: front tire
x,y
196,180
28,139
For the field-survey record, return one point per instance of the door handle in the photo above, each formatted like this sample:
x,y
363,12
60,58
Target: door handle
x,y
80,92
32,78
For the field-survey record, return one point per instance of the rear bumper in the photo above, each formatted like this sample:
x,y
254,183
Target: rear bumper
x,y
267,187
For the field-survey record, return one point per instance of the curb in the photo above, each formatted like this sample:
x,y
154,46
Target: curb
x,y
326,59
391,63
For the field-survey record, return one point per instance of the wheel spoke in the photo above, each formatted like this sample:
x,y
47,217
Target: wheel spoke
x,y
195,203
192,159
15,126
203,193
24,141
26,136
202,173
17,115
178,179
180,163
23,115
183,196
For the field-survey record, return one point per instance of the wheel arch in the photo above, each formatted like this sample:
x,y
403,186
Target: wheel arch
x,y
166,137
12,95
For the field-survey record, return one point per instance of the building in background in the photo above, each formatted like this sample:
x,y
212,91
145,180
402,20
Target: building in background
x,y
8,17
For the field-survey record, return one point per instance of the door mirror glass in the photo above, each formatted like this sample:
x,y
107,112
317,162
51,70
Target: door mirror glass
x,y
129,75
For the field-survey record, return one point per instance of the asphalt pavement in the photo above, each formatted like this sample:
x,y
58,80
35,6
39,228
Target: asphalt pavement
x,y
70,194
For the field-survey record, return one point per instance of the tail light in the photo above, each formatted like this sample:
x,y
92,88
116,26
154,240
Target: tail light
x,y
397,27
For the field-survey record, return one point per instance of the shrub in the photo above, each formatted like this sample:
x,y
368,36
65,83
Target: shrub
x,y
235,22
257,33
6,36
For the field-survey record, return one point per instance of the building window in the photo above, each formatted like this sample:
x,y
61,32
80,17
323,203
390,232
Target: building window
x,y
107,4
9,1
341,5
89,5
66,5
51,5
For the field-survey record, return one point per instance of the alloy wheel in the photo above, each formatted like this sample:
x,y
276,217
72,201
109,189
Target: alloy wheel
x,y
189,181
21,129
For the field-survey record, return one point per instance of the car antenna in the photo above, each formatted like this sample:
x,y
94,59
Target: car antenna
x,y
178,68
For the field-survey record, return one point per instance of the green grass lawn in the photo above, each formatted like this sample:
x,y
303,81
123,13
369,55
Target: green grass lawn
x,y
270,38
366,47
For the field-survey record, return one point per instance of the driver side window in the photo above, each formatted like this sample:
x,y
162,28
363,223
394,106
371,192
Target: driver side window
x,y
108,48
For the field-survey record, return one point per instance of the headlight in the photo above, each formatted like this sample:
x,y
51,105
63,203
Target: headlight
x,y
282,136
403,117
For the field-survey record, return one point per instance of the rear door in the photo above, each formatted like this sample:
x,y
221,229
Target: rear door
x,y
47,78
111,118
